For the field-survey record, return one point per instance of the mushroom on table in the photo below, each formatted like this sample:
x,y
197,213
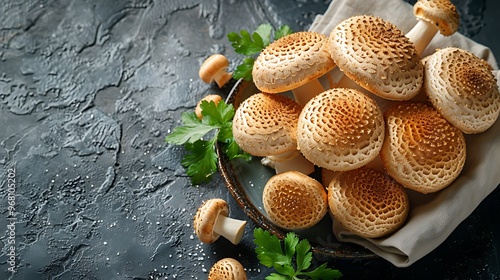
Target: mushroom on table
x,y
293,62
422,150
212,221
432,16
375,54
227,269
265,125
214,69
209,98
462,87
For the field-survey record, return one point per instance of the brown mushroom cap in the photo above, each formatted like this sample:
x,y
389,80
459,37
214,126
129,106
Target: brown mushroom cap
x,y
378,56
422,150
463,89
368,202
266,124
214,68
294,201
227,269
211,97
340,129
441,13
206,217
292,61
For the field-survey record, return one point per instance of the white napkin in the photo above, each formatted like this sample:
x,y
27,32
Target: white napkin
x,y
433,216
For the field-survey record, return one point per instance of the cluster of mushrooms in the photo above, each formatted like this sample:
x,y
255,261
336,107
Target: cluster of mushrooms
x,y
394,121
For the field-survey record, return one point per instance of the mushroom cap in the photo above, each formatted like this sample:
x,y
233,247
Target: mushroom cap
x,y
294,201
422,150
340,129
266,124
211,97
205,219
292,61
368,202
213,66
227,269
377,55
463,89
441,13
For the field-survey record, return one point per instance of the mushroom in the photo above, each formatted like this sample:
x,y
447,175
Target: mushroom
x,y
340,129
368,202
422,150
432,16
227,269
265,125
462,87
212,221
377,56
293,62
294,201
214,68
209,98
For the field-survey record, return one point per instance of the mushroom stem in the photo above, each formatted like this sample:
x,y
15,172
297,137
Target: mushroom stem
x,y
346,82
289,161
421,35
231,229
305,92
222,77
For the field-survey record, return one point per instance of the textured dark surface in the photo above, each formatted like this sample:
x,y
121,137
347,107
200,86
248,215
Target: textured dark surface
x,y
88,91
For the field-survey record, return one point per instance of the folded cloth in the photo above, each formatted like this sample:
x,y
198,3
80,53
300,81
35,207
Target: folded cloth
x,y
432,216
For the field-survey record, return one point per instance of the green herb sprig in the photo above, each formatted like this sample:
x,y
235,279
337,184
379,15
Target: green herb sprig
x,y
201,158
250,45
272,253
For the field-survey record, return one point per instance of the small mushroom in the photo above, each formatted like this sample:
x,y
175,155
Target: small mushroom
x,y
432,16
212,221
214,68
340,129
293,62
227,269
265,125
211,97
376,55
294,201
422,150
368,202
462,87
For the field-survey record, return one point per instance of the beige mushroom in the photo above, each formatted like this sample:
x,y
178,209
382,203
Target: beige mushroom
x,y
294,201
209,98
432,16
214,68
227,269
377,56
463,89
212,221
293,62
368,202
340,129
265,125
422,150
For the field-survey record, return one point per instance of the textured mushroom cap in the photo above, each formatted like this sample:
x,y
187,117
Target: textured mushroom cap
x,y
340,129
463,89
441,13
378,56
368,202
227,268
266,124
205,219
292,61
422,150
294,201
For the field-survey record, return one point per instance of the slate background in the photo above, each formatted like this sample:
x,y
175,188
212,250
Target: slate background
x,y
88,91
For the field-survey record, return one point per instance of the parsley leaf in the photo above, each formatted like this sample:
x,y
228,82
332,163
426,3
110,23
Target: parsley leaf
x,y
252,44
272,253
201,158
